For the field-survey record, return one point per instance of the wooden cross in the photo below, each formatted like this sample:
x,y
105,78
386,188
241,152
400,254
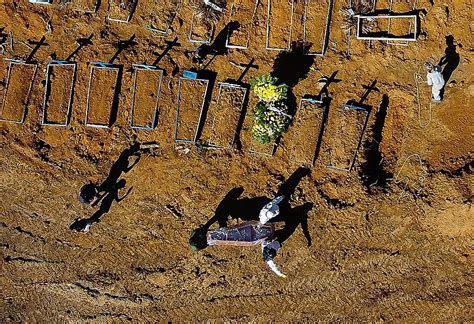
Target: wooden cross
x,y
81,43
38,44
121,45
368,90
327,81
168,48
247,66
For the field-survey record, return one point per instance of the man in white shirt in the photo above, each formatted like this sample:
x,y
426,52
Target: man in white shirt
x,y
435,79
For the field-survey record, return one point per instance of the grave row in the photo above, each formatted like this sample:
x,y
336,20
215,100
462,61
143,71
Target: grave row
x,y
395,29
193,96
278,37
102,93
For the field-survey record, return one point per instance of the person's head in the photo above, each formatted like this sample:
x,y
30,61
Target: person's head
x,y
233,25
88,193
429,66
269,253
198,239
135,148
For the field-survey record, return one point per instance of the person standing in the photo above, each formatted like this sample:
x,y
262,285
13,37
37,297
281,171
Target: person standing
x,y
434,78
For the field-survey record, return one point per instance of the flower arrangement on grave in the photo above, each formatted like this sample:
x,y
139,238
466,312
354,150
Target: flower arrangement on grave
x,y
209,10
350,14
270,115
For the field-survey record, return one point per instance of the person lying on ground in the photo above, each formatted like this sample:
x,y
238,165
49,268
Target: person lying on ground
x,y
245,234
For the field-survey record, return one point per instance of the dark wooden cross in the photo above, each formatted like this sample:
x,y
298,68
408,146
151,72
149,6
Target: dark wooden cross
x,y
327,81
121,45
368,90
247,66
83,41
38,44
170,45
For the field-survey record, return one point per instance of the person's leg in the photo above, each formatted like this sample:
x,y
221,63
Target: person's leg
x,y
436,93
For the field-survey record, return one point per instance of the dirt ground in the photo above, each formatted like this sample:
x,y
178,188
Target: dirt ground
x,y
391,240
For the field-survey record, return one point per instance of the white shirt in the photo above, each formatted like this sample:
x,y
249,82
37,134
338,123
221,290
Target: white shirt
x,y
435,79
274,245
270,210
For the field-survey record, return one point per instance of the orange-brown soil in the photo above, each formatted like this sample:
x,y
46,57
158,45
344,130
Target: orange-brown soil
x,y
392,240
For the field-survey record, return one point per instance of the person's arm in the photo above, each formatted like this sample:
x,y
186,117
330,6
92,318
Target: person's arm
x,y
269,251
270,210
97,199
275,269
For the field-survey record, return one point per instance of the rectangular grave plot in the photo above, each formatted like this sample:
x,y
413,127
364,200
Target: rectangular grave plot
x,y
316,22
121,10
146,96
200,31
17,91
58,93
228,111
251,145
401,6
191,99
379,27
279,24
307,129
84,5
243,13
346,141
47,2
397,6
159,15
103,83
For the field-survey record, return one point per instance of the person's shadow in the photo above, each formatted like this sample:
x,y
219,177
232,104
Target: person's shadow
x,y
121,165
290,67
450,60
292,218
105,205
218,46
248,209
